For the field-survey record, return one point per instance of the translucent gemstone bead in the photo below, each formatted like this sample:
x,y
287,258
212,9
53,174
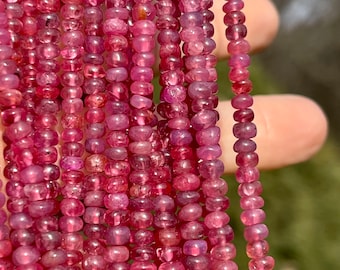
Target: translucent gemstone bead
x,y
216,219
70,224
116,254
46,224
117,201
164,203
117,12
143,43
244,146
53,258
209,152
94,231
220,203
211,168
221,265
190,212
192,230
142,237
94,246
257,249
168,237
117,122
195,247
256,232
38,209
25,255
116,184
48,240
94,215
180,137
22,237
94,262
142,253
214,187
186,182
71,163
32,174
143,27
247,159
74,257
118,235
72,207
186,197
266,263
140,219
221,235
176,265
223,252
244,130
250,189
247,174
173,94
94,198
200,262
146,59
164,220
72,135
115,26
251,202
143,266
72,241
252,216
204,119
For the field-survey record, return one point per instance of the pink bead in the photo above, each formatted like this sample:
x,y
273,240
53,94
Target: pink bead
x,y
143,266
186,182
94,262
257,249
143,11
192,230
173,94
143,43
221,235
48,240
115,26
223,252
46,224
209,152
142,237
118,74
200,262
175,265
141,102
70,224
72,241
251,202
214,187
117,201
116,254
22,237
94,198
141,220
32,174
25,255
266,263
146,59
53,258
43,208
168,237
211,168
117,12
72,207
222,265
71,163
252,216
250,189
195,247
143,27
190,212
256,232
118,235
247,174
216,219
180,137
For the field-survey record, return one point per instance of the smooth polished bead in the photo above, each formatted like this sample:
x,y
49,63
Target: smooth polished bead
x,y
257,249
116,254
223,252
192,230
53,258
48,240
199,262
256,232
195,247
266,263
190,212
118,235
25,255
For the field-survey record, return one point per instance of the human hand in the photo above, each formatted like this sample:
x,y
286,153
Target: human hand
x,y
291,128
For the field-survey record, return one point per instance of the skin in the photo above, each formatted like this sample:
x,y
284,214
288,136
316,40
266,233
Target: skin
x,y
280,140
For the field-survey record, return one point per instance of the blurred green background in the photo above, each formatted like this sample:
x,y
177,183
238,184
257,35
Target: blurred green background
x,y
302,201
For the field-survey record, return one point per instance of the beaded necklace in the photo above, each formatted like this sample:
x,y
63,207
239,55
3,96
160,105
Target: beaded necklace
x,y
137,185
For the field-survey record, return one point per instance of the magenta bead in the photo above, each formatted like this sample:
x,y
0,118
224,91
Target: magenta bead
x,y
195,247
118,235
257,249
247,174
190,212
256,232
214,187
251,202
223,252
186,182
192,230
116,254
252,216
53,258
216,219
266,263
25,255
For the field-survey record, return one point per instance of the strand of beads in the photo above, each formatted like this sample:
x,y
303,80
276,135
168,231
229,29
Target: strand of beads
x,y
11,117
72,148
40,100
244,130
95,100
168,250
117,235
145,155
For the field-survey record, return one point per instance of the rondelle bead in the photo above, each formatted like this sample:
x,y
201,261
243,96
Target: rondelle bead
x,y
175,265
143,266
192,230
257,249
186,182
247,174
266,263
53,258
142,237
214,187
223,252
116,254
118,235
221,235
190,212
256,232
251,202
250,189
199,262
195,247
25,255
168,237
252,216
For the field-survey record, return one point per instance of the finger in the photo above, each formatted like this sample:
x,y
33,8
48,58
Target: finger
x,y
290,129
262,21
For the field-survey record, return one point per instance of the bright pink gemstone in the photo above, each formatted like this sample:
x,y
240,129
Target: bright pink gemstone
x,y
174,265
94,262
115,254
94,215
117,201
199,262
257,249
141,219
195,247
251,202
32,174
168,237
143,266
209,152
180,137
190,212
266,263
146,59
173,94
46,224
143,43
115,26
71,163
186,182
211,168
48,240
256,232
25,255
118,235
214,187
38,209
220,203
209,136
53,258
143,27
142,237
222,265
192,230
143,10
247,174
94,198
216,219
72,241
247,159
223,252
